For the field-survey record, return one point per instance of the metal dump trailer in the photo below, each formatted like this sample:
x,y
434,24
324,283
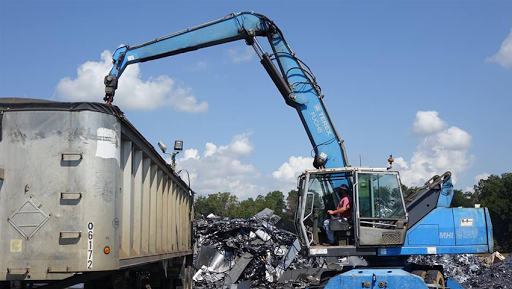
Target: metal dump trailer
x,y
83,196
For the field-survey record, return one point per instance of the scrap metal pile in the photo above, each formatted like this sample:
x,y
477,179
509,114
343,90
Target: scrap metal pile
x,y
459,267
239,253
471,271
498,275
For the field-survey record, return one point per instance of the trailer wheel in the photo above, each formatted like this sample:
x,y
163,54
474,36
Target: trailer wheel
x,y
436,278
420,273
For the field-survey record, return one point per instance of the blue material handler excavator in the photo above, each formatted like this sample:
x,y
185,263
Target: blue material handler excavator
x,y
385,227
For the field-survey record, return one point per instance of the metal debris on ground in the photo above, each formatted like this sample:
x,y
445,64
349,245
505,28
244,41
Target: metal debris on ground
x,y
494,258
470,271
497,276
232,253
459,267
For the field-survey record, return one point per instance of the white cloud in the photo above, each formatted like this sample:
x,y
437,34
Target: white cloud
x,y
452,138
286,175
240,54
219,168
210,149
240,144
190,154
482,176
401,163
440,149
427,122
132,92
504,56
290,170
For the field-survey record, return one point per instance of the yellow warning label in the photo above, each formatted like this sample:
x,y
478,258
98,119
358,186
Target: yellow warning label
x,y
16,245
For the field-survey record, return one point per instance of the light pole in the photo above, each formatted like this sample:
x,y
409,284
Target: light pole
x,y
178,146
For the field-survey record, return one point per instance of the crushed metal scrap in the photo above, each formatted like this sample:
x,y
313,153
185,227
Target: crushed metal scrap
x,y
471,271
239,253
459,267
498,275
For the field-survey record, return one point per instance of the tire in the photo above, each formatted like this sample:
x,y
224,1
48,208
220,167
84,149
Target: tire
x,y
420,273
435,277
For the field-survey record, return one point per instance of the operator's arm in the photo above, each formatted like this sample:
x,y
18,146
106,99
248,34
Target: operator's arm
x,y
338,211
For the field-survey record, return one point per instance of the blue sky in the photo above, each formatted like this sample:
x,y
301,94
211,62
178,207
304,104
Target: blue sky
x,y
427,81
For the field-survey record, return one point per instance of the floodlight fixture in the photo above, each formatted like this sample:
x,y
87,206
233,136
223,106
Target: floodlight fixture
x,y
178,145
162,146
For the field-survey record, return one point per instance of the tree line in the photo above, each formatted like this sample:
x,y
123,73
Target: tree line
x,y
227,205
494,193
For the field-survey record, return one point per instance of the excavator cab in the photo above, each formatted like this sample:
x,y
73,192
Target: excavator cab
x,y
378,215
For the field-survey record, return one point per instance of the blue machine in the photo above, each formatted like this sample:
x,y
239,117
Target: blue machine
x,y
387,233
385,228
383,278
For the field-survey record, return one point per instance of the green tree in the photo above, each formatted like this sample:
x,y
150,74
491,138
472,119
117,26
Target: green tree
x,y
291,204
227,205
247,208
275,201
461,199
406,191
221,204
200,207
495,193
259,204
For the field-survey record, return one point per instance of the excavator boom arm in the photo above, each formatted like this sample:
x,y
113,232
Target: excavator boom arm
x,y
293,78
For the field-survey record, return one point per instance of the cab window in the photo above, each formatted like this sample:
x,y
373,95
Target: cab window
x,y
380,196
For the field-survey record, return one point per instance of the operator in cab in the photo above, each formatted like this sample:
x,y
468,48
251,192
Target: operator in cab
x,y
343,211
